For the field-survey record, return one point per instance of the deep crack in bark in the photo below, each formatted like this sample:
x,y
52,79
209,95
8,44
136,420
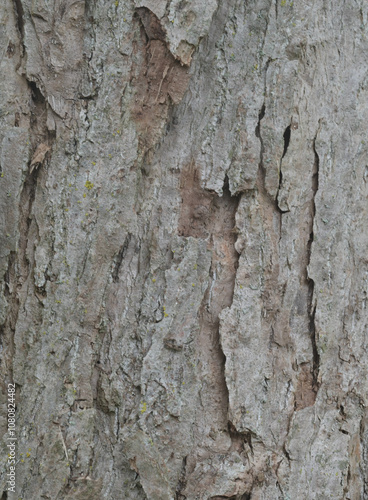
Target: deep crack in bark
x,y
19,14
311,306
287,135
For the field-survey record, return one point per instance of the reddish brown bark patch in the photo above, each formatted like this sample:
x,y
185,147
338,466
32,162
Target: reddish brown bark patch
x,y
197,206
204,213
305,394
151,24
160,81
207,215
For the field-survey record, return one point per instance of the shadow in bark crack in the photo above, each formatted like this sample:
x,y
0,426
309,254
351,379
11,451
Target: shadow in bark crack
x,y
287,135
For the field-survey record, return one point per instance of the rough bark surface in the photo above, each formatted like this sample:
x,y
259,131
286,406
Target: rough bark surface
x,y
183,253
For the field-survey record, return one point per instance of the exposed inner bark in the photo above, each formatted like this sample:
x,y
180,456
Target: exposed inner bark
x,y
160,81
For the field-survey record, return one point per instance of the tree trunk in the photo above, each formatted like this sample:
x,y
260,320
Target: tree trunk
x,y
183,253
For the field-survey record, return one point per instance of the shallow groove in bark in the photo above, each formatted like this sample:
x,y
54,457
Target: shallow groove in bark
x,y
119,258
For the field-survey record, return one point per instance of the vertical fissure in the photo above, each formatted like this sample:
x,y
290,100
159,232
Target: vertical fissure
x,y
311,306
19,15
182,481
119,258
287,135
261,168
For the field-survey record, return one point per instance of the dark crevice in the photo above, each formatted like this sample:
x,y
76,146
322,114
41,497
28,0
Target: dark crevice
x,y
27,198
315,176
182,481
262,170
120,258
4,496
342,412
19,14
278,191
286,453
312,330
38,107
37,96
261,178
239,439
258,127
287,135
311,307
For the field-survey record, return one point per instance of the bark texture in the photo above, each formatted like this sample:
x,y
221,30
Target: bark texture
x,y
183,254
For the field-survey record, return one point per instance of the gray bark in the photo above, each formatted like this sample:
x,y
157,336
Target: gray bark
x,y
183,254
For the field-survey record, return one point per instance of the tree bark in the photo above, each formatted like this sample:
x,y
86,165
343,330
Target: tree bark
x,y
183,254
